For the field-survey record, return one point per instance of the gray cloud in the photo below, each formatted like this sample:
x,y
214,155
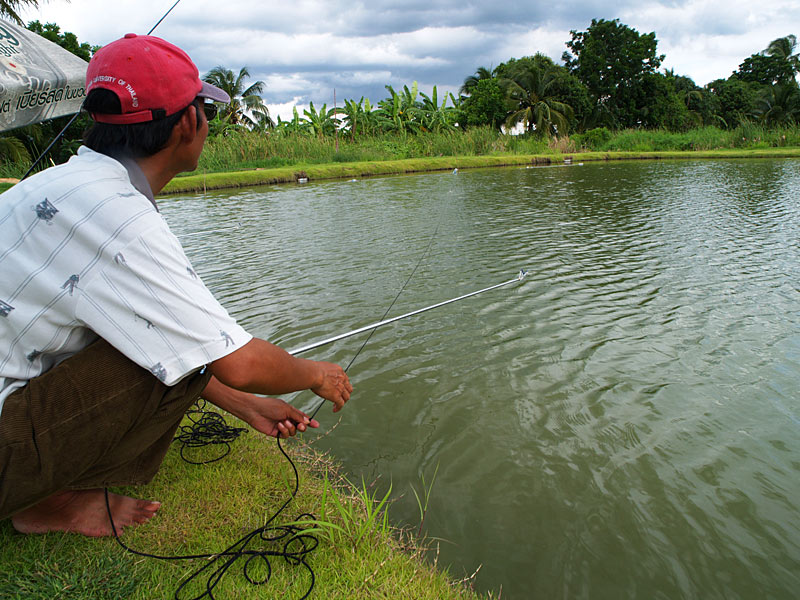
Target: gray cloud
x,y
306,48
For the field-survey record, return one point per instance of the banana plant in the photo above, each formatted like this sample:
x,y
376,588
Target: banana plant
x,y
436,117
322,121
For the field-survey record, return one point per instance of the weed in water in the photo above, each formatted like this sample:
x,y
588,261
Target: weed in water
x,y
348,521
422,502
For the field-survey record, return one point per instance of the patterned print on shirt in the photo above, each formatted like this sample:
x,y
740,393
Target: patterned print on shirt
x,y
45,210
159,371
5,309
228,339
71,283
148,321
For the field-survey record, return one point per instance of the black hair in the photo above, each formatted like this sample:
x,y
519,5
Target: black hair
x,y
136,140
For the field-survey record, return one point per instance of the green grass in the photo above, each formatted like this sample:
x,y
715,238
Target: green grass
x,y
205,509
247,158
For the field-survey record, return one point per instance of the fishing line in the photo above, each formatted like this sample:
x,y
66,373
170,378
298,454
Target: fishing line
x,y
369,337
75,116
297,545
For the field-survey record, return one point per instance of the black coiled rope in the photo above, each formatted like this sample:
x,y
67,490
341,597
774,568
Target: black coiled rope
x,y
206,428
297,545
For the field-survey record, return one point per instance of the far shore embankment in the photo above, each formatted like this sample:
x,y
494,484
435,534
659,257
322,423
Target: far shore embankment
x,y
199,182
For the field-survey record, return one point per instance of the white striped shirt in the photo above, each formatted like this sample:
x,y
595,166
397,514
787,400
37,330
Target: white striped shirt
x,y
83,253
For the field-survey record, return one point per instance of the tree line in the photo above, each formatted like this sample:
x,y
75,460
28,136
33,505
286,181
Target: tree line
x,y
609,79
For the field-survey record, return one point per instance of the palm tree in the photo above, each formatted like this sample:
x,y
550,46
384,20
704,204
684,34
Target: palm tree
x,y
9,8
528,89
12,150
471,81
246,106
783,48
780,105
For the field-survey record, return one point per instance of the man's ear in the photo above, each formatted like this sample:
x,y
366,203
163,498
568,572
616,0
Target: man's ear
x,y
187,125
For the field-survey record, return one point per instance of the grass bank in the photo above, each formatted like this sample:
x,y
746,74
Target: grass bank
x,y
206,508
199,182
249,158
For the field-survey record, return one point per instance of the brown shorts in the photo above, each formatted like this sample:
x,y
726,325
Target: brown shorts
x,y
95,420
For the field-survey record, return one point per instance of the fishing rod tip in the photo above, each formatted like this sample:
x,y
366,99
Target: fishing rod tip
x,y
521,275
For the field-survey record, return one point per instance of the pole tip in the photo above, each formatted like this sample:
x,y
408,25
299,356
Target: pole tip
x,y
521,275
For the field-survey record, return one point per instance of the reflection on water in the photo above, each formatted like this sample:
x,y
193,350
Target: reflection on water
x,y
624,423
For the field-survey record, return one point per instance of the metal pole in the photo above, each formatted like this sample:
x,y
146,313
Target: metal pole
x,y
341,336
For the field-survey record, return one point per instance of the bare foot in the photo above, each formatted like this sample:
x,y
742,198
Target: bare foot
x,y
84,512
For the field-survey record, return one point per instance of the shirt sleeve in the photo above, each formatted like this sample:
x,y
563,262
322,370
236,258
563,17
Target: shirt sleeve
x,y
150,304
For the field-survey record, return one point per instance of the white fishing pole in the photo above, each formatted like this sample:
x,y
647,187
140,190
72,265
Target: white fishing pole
x,y
341,336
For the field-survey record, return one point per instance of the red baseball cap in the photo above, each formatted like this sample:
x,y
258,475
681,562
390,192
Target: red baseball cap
x,y
151,77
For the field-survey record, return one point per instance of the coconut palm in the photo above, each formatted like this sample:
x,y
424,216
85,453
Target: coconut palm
x,y
472,81
529,92
9,8
783,48
780,105
246,106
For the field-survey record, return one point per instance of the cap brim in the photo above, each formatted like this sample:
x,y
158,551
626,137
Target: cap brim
x,y
214,93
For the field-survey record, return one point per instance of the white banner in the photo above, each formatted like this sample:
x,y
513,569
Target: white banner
x,y
39,80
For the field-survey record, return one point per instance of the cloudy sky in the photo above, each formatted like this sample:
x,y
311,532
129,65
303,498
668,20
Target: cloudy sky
x,y
304,49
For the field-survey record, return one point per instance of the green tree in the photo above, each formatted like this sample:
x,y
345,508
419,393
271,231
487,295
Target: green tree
x,y
529,90
779,105
565,87
765,69
486,105
611,60
783,48
246,106
661,106
67,40
734,101
471,82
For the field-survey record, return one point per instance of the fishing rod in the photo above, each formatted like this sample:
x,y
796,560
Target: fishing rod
x,y
75,116
341,336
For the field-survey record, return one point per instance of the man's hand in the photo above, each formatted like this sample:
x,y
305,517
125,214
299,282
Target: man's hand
x,y
274,417
335,385
270,416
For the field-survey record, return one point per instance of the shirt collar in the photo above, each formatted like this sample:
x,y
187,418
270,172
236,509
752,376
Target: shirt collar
x,y
137,177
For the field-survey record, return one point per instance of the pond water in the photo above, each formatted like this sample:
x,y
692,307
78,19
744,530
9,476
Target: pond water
x,y
624,423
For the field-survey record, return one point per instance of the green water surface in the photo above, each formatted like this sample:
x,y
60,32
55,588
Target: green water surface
x,y
625,423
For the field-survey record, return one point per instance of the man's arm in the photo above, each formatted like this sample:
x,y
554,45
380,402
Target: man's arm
x,y
270,416
263,368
